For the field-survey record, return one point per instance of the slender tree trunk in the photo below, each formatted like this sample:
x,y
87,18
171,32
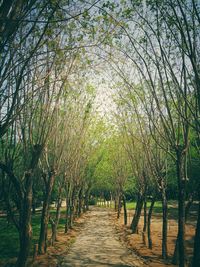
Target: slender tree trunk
x,y
145,215
25,229
196,255
67,213
72,208
115,204
181,209
164,222
87,194
136,217
119,207
80,202
125,210
149,223
42,245
56,222
145,202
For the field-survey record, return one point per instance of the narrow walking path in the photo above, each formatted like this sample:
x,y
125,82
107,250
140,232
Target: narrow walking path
x,y
98,245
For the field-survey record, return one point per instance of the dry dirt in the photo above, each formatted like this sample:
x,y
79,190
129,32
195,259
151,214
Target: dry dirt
x,y
138,242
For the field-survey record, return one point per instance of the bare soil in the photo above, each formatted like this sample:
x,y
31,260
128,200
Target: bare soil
x,y
138,242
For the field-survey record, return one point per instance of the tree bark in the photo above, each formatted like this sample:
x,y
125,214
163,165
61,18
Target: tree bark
x,y
175,259
181,209
119,207
25,229
54,224
164,223
72,208
138,210
196,255
67,213
86,204
149,223
125,210
80,202
145,215
42,245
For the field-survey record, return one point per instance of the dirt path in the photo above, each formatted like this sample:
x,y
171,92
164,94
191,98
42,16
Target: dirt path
x,y
98,245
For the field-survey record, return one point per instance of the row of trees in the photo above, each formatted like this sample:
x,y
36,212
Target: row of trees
x,y
45,115
158,103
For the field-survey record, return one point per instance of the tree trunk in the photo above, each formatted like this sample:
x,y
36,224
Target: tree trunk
x,y
72,208
119,207
42,244
196,256
145,202
67,215
145,215
54,224
181,209
164,222
149,223
125,210
25,229
175,259
136,217
86,204
80,202
115,204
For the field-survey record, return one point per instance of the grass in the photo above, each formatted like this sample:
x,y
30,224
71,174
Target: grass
x,y
172,208
9,239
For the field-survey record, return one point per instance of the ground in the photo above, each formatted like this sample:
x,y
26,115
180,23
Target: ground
x,y
98,244
138,242
99,239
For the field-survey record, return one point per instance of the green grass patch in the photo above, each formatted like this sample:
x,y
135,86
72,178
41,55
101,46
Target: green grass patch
x,y
172,207
9,238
